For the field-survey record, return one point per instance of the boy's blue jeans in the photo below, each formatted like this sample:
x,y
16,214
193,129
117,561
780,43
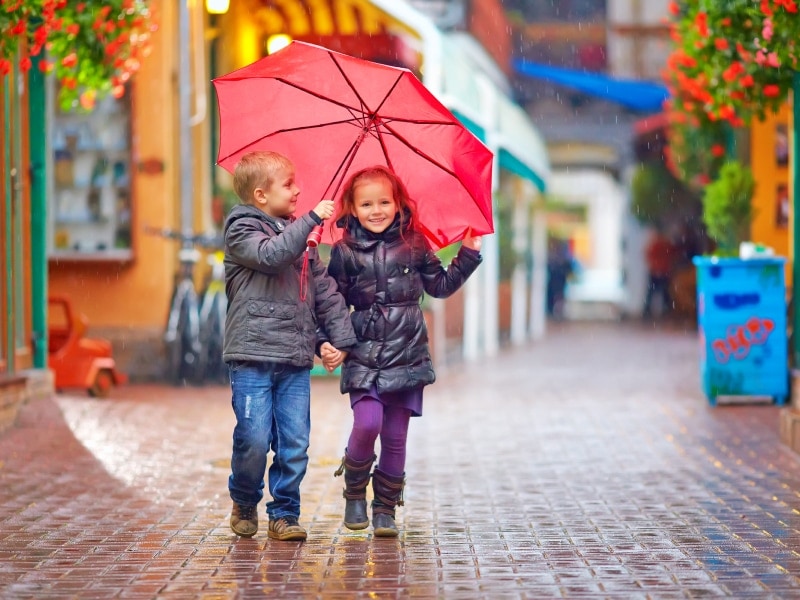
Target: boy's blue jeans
x,y
272,407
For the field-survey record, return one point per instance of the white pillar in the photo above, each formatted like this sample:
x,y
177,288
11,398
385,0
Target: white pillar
x,y
490,319
538,324
519,291
472,316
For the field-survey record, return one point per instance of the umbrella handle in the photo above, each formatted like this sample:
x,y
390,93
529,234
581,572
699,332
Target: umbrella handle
x,y
314,237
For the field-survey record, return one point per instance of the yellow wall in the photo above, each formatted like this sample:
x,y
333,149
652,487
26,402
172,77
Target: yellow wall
x,y
769,175
137,294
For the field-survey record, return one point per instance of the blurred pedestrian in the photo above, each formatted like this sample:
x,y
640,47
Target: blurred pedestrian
x,y
660,254
270,339
383,265
560,265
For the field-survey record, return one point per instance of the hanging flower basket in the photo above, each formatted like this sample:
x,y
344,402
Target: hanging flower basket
x,y
92,47
730,61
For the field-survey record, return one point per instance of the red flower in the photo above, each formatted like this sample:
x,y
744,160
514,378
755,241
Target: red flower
x,y
70,60
701,22
721,44
733,71
726,112
718,150
771,90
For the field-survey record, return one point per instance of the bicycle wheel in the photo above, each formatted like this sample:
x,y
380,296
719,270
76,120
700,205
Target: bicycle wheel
x,y
173,344
182,337
189,327
212,332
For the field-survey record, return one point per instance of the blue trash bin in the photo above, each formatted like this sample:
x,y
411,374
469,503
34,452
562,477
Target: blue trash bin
x,y
742,320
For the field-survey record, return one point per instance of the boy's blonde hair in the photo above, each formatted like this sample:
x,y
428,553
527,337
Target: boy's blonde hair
x,y
257,169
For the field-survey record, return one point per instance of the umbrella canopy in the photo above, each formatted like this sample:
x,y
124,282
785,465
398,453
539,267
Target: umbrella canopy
x,y
333,114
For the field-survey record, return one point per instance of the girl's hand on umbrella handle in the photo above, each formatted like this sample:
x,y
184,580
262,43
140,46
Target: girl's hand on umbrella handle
x,y
324,209
472,242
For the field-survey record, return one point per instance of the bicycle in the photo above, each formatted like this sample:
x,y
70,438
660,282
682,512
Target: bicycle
x,y
188,323
213,309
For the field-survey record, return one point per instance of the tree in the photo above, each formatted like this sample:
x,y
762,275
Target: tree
x,y
93,47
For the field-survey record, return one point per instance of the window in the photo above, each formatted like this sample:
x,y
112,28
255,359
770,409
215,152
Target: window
x,y
90,203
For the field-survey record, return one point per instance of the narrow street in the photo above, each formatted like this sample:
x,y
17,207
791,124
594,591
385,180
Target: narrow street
x,y
586,465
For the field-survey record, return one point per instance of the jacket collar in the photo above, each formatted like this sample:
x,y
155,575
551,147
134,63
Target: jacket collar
x,y
355,235
277,224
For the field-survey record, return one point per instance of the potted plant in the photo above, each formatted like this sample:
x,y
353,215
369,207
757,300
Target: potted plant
x,y
741,305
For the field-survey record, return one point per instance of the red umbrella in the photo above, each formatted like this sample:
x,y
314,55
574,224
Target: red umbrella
x,y
333,114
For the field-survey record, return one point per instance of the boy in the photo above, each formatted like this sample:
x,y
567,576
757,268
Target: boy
x,y
270,337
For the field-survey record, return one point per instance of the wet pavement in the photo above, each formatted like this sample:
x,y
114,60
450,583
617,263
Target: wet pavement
x,y
587,465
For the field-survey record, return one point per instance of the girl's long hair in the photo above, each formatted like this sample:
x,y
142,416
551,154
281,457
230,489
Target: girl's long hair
x,y
405,205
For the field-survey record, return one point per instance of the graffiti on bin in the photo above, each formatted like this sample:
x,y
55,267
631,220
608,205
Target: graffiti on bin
x,y
740,338
725,382
736,301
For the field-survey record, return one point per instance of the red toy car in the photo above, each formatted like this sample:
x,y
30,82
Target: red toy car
x,y
76,361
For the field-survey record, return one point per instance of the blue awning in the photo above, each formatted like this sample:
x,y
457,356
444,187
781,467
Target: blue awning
x,y
642,96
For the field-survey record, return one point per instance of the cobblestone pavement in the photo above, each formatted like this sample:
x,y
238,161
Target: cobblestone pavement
x,y
587,465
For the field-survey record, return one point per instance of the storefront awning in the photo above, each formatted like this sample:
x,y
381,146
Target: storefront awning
x,y
642,96
304,18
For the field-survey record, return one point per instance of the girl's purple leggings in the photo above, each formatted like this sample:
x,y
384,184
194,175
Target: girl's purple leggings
x,y
371,419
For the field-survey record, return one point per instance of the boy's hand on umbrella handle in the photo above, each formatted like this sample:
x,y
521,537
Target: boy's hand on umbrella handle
x,y
472,242
324,210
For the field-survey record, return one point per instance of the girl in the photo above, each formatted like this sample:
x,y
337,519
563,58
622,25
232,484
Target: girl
x,y
382,266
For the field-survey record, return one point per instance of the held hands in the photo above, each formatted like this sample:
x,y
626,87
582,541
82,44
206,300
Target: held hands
x,y
331,357
472,242
324,210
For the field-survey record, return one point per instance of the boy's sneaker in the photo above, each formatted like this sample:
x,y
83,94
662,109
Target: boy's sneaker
x,y
244,520
286,528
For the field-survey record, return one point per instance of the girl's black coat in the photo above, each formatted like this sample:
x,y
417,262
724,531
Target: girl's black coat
x,y
383,277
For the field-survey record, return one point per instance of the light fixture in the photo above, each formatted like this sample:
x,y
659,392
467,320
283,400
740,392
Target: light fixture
x,y
217,7
277,42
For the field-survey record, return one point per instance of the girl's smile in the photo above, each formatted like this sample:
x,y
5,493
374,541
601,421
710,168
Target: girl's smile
x,y
375,207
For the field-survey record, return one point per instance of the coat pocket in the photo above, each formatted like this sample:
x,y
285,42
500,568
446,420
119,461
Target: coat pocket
x,y
271,324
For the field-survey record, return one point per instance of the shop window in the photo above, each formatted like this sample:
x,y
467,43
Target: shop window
x,y
90,204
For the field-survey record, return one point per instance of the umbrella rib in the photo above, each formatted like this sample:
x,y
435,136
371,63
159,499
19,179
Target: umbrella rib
x,y
356,111
342,169
417,151
353,121
422,154
355,91
419,121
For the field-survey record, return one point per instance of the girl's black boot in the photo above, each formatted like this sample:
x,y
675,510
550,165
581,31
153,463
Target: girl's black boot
x,y
388,493
356,478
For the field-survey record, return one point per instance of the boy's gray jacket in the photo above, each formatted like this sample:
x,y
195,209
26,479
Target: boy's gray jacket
x,y
267,321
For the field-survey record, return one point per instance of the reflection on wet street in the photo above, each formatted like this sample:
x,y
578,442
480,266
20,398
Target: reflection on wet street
x,y
585,465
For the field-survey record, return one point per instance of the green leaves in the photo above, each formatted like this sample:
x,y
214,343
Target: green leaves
x,y
732,60
93,46
727,207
